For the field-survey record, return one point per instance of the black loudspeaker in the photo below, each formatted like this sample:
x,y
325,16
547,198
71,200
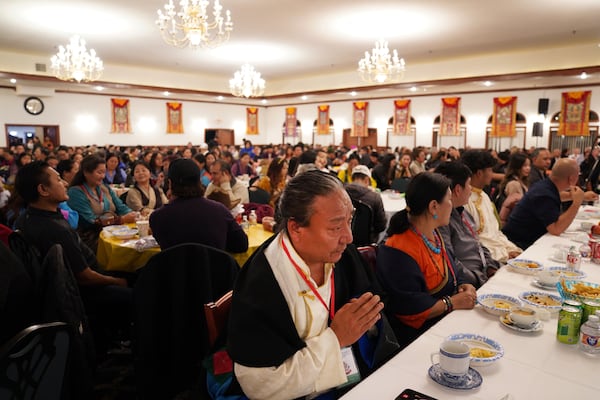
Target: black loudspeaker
x,y
543,106
538,128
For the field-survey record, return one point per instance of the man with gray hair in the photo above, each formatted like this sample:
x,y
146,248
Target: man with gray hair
x,y
304,300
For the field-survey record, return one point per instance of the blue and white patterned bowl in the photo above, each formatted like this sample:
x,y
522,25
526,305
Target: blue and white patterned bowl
x,y
526,298
524,266
497,304
483,342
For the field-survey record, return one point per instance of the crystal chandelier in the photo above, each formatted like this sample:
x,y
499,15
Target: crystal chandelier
x,y
247,82
74,62
381,66
190,25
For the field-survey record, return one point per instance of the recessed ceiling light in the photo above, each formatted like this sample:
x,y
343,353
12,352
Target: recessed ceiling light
x,y
413,89
166,93
219,98
304,97
264,101
584,75
487,83
13,80
353,94
99,88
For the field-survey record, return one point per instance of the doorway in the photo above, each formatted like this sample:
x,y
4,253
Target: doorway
x,y
21,134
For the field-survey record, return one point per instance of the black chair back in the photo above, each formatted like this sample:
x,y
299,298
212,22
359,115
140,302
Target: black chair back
x,y
400,184
258,195
362,223
171,338
33,363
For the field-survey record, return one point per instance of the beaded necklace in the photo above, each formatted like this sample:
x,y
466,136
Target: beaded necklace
x,y
437,248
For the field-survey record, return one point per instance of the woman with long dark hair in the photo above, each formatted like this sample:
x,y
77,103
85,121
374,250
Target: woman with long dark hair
x,y
514,186
275,179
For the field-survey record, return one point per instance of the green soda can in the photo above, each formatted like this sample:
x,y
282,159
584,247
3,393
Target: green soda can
x,y
573,303
589,308
569,321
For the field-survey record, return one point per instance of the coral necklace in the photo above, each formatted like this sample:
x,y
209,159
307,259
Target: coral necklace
x,y
435,248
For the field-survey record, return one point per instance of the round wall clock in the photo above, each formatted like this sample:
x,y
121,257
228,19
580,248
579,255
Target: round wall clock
x,y
33,105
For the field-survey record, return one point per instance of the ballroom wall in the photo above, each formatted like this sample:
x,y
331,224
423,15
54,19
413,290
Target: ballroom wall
x,y
85,119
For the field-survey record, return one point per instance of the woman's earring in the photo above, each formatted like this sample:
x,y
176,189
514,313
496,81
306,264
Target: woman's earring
x,y
435,216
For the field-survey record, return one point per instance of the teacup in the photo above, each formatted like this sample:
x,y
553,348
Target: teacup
x,y
560,255
454,359
548,278
143,226
524,317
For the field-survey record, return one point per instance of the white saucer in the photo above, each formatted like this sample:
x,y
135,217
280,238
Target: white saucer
x,y
540,285
470,380
506,321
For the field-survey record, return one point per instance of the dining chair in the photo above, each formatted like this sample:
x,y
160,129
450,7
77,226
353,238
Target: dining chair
x,y
258,195
369,255
362,222
400,184
217,315
33,363
170,330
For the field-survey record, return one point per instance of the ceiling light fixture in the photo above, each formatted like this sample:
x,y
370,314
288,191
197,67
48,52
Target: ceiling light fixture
x,y
381,66
74,62
583,75
247,82
190,26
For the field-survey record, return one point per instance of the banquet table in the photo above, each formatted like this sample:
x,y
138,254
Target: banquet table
x,y
392,203
534,366
119,255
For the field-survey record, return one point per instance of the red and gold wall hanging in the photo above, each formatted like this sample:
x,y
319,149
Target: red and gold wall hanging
x,y
120,116
450,117
291,122
252,121
323,120
504,117
174,117
401,117
575,114
359,119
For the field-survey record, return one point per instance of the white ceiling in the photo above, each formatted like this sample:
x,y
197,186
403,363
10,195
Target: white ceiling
x,y
311,47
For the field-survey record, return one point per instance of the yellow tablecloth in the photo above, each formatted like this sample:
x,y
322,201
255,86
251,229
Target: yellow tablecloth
x,y
256,236
114,256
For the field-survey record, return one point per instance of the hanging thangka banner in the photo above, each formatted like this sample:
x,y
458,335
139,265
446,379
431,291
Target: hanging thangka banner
x,y
504,118
401,117
120,116
174,117
252,121
290,122
450,117
323,120
359,119
575,114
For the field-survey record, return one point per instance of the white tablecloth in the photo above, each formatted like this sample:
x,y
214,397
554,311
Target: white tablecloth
x,y
392,203
534,366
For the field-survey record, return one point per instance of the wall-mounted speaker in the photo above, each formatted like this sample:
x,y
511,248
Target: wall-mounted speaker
x,y
543,106
538,129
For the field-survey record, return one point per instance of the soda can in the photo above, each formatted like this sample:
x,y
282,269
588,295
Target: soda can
x,y
589,308
595,250
573,303
573,259
569,321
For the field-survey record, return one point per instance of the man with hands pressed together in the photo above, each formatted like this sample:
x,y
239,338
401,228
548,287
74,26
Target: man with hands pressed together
x,y
304,300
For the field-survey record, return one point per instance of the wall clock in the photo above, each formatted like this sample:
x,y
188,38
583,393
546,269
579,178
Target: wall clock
x,y
33,105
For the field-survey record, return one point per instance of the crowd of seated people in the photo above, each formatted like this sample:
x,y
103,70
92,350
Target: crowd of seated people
x,y
465,216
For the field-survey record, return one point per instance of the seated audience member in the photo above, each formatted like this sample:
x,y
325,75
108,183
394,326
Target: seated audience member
x,y
514,185
540,160
204,174
224,183
243,166
275,179
418,163
416,271
481,208
67,169
383,172
144,197
360,189
115,175
190,218
43,225
304,299
306,162
403,168
539,211
95,202
460,236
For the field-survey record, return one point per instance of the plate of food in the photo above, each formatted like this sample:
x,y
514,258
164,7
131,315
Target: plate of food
x,y
578,290
484,351
567,273
125,233
523,266
547,301
497,304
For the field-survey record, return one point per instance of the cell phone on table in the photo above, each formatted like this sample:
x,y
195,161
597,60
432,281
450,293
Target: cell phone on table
x,y
410,394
